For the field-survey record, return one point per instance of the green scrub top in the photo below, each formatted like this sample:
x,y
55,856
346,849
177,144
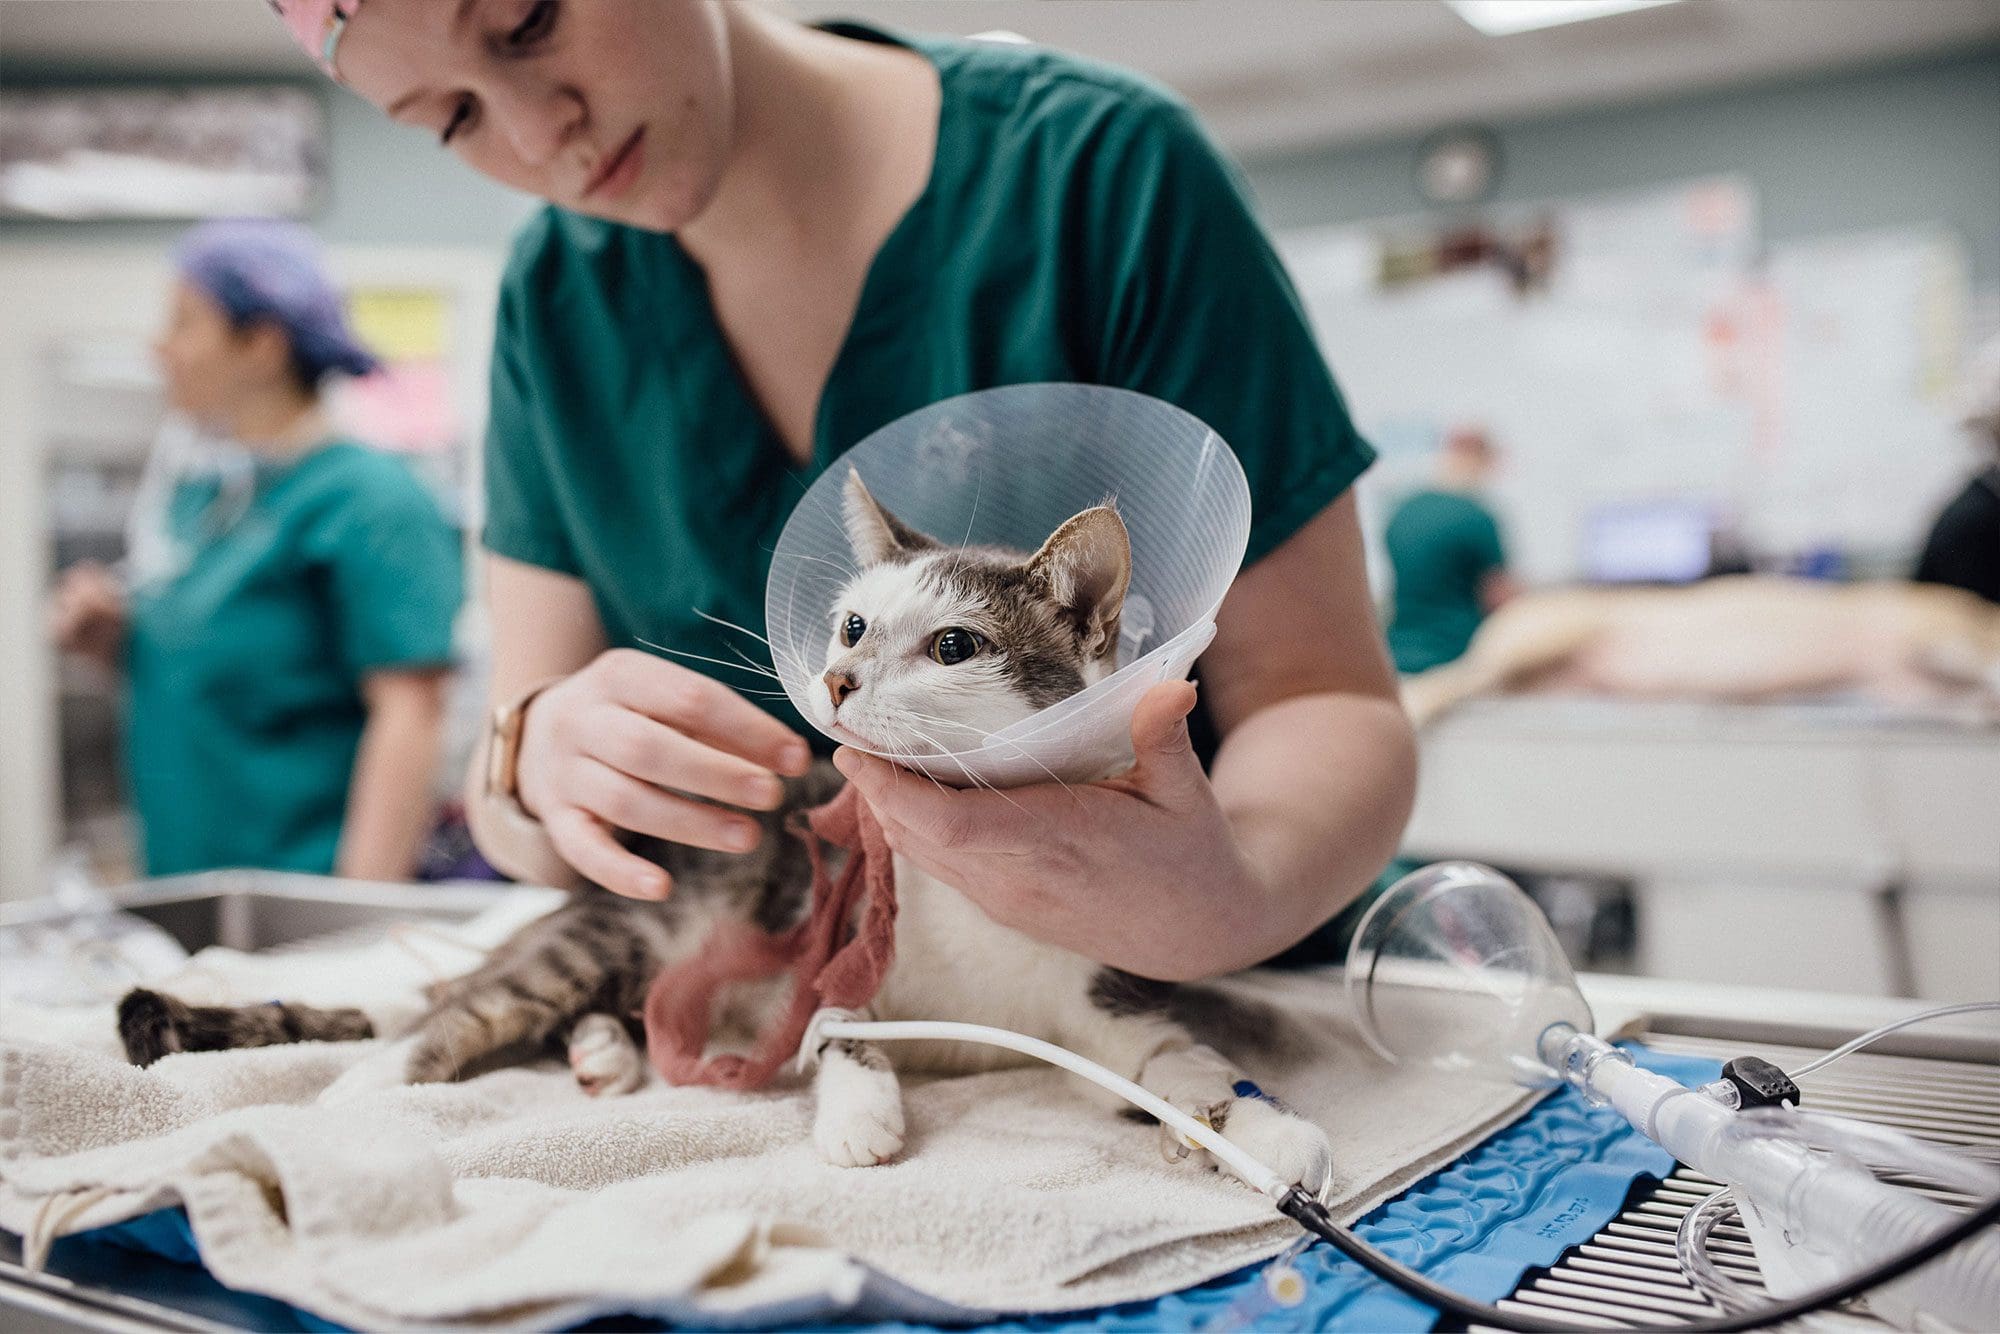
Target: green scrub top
x,y
1077,226
244,671
1442,545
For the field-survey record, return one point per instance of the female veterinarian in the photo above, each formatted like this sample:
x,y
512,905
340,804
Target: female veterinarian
x,y
765,240
287,630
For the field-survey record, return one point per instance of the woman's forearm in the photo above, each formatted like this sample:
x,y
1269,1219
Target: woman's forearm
x,y
389,798
1317,789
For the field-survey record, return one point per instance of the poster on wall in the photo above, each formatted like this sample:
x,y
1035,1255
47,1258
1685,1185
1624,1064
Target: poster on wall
x,y
169,153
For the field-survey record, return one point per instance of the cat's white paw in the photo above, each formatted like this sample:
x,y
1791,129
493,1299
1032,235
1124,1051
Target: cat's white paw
x,y
858,1120
604,1058
1293,1147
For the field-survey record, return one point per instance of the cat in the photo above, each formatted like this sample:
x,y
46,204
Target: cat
x,y
931,647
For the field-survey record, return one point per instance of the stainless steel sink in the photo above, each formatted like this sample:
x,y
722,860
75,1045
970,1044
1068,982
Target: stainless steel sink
x,y
260,910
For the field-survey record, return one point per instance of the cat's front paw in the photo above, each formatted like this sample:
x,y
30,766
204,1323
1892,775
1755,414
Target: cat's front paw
x,y
858,1120
859,1140
1293,1147
604,1058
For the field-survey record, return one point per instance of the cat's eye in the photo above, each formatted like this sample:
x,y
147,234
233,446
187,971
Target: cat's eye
x,y
953,646
852,629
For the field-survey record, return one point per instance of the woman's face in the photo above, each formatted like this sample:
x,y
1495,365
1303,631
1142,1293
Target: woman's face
x,y
621,109
209,365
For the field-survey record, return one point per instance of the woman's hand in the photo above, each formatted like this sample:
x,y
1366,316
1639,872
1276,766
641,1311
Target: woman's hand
x,y
627,743
88,615
1118,871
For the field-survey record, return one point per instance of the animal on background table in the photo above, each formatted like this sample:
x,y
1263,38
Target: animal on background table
x,y
1746,638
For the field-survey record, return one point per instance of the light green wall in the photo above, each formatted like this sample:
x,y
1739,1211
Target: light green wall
x,y
1913,142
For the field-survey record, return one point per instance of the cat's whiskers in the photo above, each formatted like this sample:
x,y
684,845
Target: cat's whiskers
x,y
698,657
963,548
988,738
923,736
843,566
731,625
747,660
925,769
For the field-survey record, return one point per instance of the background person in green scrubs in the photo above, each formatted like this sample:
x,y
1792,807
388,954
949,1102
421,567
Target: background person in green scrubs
x,y
287,637
765,240
1449,563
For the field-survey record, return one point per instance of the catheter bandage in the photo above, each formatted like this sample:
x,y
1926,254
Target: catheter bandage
x,y
829,966
1006,467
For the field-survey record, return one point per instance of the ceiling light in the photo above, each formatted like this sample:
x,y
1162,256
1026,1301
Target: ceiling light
x,y
1499,18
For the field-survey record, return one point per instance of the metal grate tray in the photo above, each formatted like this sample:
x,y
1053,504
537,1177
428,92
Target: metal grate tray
x,y
1627,1276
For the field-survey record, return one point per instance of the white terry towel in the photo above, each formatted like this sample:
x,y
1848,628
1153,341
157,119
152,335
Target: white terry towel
x,y
514,1199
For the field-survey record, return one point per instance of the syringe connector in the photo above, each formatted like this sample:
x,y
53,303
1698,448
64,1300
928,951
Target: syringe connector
x,y
1576,1056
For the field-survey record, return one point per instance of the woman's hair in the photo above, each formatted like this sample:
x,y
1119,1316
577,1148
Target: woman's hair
x,y
266,272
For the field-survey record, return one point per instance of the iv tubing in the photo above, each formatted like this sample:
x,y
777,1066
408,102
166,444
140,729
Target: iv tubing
x,y
1875,1035
1309,1213
832,1024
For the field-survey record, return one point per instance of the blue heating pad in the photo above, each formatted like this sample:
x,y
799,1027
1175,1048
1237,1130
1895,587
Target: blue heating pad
x,y
1514,1203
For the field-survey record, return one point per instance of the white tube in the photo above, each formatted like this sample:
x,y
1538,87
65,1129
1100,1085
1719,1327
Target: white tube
x,y
831,1024
1826,1204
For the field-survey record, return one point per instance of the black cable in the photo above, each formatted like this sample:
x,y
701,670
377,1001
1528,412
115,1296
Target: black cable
x,y
1311,1215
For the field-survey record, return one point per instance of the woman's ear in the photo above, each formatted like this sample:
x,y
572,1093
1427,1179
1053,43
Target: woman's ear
x,y
267,350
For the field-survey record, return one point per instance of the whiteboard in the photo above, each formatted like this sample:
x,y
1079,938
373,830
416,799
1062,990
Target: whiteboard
x,y
1667,357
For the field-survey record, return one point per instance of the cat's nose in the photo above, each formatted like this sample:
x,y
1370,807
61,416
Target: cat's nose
x,y
839,685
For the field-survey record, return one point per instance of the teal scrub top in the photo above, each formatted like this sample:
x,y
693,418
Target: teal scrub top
x,y
1076,226
244,671
1442,545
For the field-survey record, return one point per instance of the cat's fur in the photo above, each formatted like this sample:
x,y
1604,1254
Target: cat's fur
x,y
1046,626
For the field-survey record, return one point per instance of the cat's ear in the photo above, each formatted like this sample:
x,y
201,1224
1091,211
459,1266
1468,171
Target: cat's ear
x,y
875,534
1086,566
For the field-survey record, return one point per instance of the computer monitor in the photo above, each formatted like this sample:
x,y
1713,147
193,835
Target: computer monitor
x,y
1648,542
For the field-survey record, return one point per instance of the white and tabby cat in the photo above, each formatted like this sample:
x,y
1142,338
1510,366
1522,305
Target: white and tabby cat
x,y
931,648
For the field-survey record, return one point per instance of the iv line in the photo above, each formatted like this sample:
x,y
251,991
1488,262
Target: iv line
x,y
1311,1214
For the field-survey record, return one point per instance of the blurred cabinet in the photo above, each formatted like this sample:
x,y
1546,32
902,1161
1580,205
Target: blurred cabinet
x,y
102,409
79,409
1812,846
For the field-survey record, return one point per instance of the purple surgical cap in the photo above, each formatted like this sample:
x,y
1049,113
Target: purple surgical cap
x,y
258,269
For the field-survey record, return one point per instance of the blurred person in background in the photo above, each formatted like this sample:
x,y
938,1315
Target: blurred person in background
x,y
1963,550
283,620
1449,562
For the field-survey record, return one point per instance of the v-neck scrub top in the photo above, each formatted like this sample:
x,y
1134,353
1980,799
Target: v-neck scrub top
x,y
1076,226
244,671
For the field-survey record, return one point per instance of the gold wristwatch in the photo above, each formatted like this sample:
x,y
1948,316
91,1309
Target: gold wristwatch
x,y
503,743
513,840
